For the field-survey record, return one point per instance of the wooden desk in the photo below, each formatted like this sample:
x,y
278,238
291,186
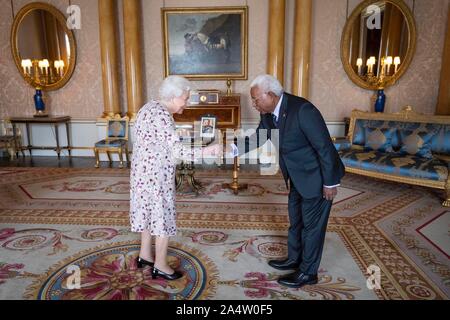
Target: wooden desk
x,y
55,121
227,112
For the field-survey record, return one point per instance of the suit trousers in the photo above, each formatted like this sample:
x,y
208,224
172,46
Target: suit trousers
x,y
308,220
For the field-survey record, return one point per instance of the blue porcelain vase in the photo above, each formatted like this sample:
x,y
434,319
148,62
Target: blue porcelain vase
x,y
380,102
39,102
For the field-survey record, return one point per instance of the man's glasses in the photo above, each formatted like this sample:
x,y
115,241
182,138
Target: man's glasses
x,y
257,98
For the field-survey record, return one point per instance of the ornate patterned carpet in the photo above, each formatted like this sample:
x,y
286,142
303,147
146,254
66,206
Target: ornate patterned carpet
x,y
54,222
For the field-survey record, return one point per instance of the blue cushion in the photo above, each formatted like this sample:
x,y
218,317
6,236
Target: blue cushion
x,y
379,139
396,164
111,143
441,140
359,136
416,143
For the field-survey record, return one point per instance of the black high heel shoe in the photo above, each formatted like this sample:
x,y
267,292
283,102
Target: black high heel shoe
x,y
141,263
158,273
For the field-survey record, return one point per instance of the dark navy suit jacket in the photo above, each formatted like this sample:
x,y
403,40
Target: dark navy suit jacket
x,y
307,155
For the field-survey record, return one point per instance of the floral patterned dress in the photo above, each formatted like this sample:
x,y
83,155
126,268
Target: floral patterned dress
x,y
156,149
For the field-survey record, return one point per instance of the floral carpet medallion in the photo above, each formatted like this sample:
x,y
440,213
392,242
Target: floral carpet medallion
x,y
111,273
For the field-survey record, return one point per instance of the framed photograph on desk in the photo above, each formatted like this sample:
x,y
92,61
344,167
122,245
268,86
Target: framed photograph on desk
x,y
207,126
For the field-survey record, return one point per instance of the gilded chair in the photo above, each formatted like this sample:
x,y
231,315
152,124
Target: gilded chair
x,y
10,142
116,140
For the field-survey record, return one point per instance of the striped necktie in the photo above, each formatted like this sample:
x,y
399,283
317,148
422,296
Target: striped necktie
x,y
275,121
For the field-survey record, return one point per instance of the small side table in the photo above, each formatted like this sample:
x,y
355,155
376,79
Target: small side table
x,y
55,121
185,171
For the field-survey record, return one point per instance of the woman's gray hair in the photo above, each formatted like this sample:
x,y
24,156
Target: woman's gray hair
x,y
267,83
173,87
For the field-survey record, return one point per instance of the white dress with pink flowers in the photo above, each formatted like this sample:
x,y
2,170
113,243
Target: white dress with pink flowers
x,y
156,149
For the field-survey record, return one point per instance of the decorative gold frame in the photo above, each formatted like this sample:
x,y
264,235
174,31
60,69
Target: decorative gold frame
x,y
406,115
345,42
15,50
242,10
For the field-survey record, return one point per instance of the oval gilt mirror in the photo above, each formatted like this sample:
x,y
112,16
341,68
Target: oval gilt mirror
x,y
378,43
43,47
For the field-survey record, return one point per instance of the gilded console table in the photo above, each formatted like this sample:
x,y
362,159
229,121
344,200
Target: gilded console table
x,y
54,121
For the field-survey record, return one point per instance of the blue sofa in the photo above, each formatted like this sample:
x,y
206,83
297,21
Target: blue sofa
x,y
405,147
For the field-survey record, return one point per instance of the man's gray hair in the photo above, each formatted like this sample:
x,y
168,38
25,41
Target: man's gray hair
x,y
173,87
267,83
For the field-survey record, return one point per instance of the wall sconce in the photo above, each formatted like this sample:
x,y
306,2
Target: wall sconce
x,y
42,72
383,78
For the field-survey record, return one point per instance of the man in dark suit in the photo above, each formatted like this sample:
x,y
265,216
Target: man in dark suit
x,y
310,164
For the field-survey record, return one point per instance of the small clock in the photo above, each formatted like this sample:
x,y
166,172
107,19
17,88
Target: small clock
x,y
204,97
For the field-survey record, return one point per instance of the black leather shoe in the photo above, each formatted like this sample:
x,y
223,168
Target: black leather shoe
x,y
141,263
158,273
285,264
298,279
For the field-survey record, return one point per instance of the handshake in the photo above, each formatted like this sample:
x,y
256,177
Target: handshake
x,y
217,150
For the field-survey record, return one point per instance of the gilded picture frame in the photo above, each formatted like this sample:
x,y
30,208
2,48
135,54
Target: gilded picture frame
x,y
208,43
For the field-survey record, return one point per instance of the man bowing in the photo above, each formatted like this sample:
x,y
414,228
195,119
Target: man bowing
x,y
310,165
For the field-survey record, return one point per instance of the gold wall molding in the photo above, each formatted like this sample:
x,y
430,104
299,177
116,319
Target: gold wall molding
x,y
109,56
133,56
275,58
443,105
302,48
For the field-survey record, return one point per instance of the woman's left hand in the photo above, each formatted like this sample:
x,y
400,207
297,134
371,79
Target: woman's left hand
x,y
214,150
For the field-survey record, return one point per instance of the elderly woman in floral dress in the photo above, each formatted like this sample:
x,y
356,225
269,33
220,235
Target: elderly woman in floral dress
x,y
156,149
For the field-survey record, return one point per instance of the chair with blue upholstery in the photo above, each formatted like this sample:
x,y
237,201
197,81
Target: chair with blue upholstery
x,y
116,140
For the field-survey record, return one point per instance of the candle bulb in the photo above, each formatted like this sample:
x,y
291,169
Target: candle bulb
x,y
57,66
389,62
45,65
372,63
30,66
396,63
24,66
41,67
61,67
359,63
